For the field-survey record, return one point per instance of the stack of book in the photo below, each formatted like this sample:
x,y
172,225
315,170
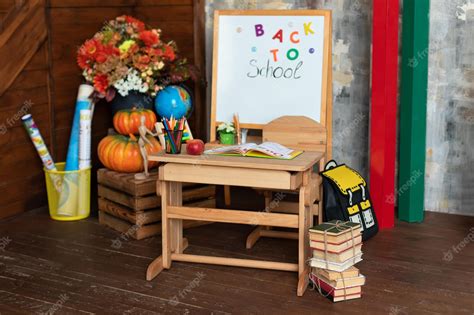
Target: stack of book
x,y
337,247
338,286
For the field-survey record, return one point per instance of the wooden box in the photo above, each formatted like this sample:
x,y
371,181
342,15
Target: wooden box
x,y
132,206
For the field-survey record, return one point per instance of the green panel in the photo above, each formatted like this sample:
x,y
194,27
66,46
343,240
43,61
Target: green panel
x,y
413,95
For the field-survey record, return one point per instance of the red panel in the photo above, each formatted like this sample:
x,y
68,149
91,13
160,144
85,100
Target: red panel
x,y
383,119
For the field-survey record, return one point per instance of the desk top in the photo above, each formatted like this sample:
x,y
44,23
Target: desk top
x,y
300,163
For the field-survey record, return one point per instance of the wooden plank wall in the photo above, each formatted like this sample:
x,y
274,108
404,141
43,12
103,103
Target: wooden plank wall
x,y
21,177
5,6
72,22
69,23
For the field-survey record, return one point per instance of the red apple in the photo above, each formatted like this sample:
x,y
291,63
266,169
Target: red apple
x,y
195,147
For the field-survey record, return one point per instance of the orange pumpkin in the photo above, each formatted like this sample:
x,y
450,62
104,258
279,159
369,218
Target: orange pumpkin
x,y
127,121
122,154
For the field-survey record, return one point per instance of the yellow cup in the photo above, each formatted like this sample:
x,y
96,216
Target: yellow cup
x,y
69,193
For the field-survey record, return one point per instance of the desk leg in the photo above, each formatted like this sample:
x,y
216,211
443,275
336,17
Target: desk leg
x,y
172,230
303,241
176,226
165,224
154,268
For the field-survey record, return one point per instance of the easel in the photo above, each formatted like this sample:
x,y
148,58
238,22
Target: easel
x,y
326,95
325,103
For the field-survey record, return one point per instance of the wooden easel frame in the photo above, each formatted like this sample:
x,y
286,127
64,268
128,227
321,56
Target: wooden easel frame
x,y
326,93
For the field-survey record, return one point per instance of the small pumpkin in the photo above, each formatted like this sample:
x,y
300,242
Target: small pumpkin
x,y
122,154
127,121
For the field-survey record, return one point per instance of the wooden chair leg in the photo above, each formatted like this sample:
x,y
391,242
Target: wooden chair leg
x,y
320,205
303,217
227,196
253,237
320,218
322,165
185,243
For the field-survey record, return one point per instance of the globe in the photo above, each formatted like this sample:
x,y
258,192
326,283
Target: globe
x,y
173,101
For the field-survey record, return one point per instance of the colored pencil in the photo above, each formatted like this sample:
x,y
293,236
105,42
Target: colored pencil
x,y
170,137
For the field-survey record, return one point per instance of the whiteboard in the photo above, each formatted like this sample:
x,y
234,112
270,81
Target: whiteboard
x,y
269,64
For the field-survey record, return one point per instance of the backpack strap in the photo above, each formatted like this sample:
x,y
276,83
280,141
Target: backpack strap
x,y
362,188
330,164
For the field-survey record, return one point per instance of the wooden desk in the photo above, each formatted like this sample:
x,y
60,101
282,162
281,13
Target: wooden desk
x,y
233,171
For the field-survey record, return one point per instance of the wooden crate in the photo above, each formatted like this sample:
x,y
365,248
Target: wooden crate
x,y
124,220
132,207
128,184
190,193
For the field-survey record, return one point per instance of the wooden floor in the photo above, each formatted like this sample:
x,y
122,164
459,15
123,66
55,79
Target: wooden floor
x,y
72,268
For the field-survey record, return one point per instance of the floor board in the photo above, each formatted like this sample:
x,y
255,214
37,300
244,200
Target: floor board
x,y
77,268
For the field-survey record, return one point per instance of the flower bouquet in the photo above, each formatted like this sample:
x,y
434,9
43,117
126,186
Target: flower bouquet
x,y
126,56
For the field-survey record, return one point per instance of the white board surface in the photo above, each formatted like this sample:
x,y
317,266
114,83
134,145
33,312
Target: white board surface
x,y
260,83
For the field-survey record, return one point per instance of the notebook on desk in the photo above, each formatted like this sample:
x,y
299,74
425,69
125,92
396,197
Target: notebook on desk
x,y
268,150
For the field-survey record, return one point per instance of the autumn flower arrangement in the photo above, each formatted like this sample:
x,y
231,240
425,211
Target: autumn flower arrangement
x,y
128,56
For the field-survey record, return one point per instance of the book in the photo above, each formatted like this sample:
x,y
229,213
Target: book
x,y
341,298
335,240
335,231
321,283
334,294
334,275
344,282
336,248
334,227
338,257
269,150
335,266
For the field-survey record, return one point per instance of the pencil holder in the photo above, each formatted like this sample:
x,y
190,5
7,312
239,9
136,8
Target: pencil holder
x,y
173,140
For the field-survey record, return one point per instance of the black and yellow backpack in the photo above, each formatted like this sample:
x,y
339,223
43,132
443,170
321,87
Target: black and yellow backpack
x,y
346,197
